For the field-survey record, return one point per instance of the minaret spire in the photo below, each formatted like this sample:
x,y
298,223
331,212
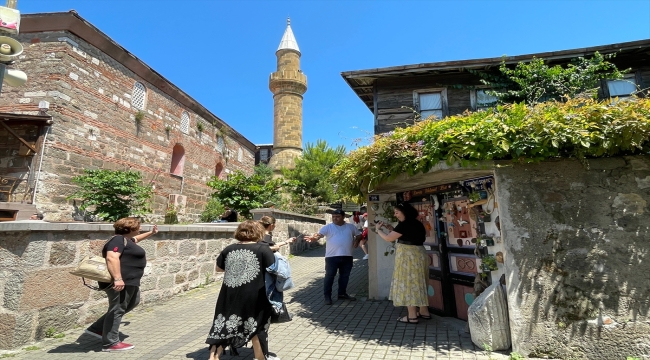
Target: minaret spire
x,y
287,84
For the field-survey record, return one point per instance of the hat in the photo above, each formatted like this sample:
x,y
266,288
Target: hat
x,y
338,212
365,215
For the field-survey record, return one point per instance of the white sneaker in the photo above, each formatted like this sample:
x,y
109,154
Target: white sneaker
x,y
365,257
271,357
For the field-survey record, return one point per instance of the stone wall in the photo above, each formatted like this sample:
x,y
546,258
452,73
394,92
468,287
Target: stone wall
x,y
578,255
95,126
37,292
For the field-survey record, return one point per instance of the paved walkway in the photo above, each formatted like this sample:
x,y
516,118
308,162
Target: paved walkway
x,y
361,329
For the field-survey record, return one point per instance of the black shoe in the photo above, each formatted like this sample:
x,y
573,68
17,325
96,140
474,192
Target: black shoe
x,y
347,297
328,301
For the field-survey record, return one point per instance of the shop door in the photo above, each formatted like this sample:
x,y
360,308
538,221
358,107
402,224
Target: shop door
x,y
453,224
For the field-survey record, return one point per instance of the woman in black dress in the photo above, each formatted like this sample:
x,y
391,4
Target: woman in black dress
x,y
243,312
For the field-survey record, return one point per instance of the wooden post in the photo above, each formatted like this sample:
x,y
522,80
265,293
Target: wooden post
x,y
11,4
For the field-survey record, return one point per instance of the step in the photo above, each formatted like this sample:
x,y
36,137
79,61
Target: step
x,y
25,211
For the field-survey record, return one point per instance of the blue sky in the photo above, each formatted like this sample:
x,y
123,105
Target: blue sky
x,y
228,47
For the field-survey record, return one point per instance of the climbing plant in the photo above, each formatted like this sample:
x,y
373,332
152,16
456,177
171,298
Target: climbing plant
x,y
577,128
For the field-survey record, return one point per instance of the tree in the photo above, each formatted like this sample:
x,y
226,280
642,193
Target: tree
x,y
112,194
213,210
533,82
243,193
312,171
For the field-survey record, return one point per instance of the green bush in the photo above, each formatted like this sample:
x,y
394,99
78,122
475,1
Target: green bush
x,y
112,194
578,128
213,211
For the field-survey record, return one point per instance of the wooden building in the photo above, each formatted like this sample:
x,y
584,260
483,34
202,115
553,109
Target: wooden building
x,y
452,87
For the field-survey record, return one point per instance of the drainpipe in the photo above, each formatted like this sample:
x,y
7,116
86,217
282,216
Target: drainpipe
x,y
40,162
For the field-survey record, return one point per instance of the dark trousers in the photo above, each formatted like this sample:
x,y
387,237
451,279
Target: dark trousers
x,y
342,264
119,303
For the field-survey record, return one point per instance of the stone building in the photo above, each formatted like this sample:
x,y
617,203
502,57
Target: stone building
x,y
287,84
102,107
570,240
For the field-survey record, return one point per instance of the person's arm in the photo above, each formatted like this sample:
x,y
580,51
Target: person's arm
x,y
113,265
145,235
314,237
392,236
277,246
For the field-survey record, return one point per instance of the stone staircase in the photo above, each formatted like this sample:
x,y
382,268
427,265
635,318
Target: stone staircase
x,y
22,211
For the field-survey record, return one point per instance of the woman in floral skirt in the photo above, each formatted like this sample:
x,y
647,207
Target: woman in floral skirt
x,y
409,285
243,313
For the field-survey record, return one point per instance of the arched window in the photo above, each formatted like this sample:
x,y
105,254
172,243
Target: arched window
x,y
218,170
178,160
139,96
185,122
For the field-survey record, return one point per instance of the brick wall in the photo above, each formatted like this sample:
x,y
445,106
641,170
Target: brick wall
x,y
95,127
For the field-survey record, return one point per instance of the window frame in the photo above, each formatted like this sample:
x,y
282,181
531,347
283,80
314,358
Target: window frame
x,y
473,99
443,99
144,96
185,129
632,76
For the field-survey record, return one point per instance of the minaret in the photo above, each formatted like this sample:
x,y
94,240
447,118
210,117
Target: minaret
x,y
287,84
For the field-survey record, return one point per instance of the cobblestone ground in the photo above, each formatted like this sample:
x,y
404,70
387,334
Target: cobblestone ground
x,y
361,329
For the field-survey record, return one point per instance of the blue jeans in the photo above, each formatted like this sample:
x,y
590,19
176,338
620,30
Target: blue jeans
x,y
342,264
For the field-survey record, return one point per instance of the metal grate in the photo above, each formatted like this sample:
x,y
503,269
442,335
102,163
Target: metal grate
x,y
185,122
220,144
139,96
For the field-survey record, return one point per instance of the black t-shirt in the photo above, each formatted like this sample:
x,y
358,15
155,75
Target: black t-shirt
x,y
412,230
268,240
133,259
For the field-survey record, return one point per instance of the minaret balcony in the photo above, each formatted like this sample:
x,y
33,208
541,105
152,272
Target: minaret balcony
x,y
288,81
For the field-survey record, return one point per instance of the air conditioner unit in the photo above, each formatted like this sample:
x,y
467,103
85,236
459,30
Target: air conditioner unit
x,y
179,201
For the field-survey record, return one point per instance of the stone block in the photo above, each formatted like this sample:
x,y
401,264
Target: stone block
x,y
166,248
187,248
19,249
488,319
148,283
62,253
180,278
174,267
68,289
60,318
165,282
16,330
193,275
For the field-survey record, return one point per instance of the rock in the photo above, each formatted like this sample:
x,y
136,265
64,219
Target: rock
x,y
488,319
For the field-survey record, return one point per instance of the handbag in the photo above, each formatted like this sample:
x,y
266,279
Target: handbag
x,y
280,315
94,268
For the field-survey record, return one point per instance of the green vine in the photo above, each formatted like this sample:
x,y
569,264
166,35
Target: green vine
x,y
577,128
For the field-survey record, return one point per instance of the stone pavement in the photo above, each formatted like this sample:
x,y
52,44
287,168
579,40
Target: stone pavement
x,y
363,329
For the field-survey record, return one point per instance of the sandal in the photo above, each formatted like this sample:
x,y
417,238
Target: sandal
x,y
425,317
408,320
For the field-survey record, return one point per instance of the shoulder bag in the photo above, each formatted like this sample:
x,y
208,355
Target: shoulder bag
x,y
94,268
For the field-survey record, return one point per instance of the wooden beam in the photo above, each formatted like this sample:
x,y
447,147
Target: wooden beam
x,y
12,132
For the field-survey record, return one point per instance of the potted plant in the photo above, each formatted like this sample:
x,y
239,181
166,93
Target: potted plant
x,y
489,263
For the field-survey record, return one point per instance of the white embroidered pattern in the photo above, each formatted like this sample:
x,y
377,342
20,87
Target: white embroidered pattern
x,y
250,325
233,322
242,267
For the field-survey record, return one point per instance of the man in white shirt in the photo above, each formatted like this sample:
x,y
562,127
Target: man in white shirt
x,y
342,238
